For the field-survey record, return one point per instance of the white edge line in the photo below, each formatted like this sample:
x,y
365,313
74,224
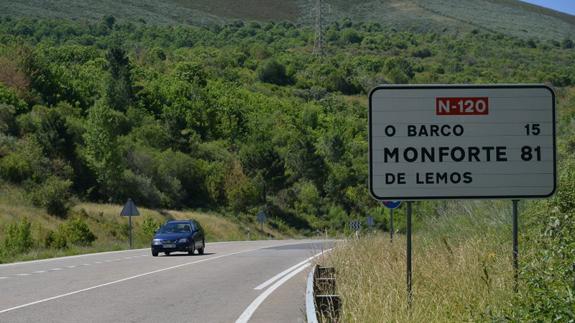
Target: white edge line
x,y
108,253
250,310
285,272
116,282
132,277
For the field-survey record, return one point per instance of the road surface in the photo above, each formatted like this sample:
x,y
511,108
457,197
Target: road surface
x,y
252,281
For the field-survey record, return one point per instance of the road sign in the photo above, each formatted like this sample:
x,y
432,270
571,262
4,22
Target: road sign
x,y
370,222
391,204
261,217
354,225
130,209
462,142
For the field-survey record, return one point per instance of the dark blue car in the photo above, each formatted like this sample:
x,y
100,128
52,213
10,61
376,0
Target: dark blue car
x,y
181,235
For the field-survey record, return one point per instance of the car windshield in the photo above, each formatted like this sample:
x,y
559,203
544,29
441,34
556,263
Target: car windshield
x,y
175,228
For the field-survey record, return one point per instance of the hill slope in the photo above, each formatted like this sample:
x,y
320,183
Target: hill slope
x,y
510,17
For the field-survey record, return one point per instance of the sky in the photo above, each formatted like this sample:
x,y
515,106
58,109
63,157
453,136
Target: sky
x,y
567,6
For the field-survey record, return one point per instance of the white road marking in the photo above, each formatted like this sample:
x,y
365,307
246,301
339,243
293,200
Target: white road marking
x,y
70,267
22,275
54,269
138,276
112,252
39,272
249,311
68,257
3,277
285,272
85,264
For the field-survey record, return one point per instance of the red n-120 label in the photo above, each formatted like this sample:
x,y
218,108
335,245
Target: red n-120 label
x,y
461,106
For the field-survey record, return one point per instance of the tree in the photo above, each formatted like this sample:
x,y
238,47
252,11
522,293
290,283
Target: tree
x,y
101,149
119,91
273,72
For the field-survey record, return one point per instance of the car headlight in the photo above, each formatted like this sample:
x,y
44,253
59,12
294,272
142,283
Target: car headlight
x,y
157,241
183,240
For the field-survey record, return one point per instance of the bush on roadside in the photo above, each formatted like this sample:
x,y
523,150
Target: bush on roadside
x,y
53,195
76,232
18,238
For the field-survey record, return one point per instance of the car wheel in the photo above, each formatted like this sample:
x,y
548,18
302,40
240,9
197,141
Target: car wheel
x,y
154,253
192,249
167,253
201,250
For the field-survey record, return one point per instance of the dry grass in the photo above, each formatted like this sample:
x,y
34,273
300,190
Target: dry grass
x,y
464,278
111,229
450,283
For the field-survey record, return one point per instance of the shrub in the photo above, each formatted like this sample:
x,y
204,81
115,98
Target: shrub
x,y
351,36
149,226
191,73
77,232
8,97
53,195
18,237
56,239
273,72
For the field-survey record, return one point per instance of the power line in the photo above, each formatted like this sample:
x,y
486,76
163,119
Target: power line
x,y
318,43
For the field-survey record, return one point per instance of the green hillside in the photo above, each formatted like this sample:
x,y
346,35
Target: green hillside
x,y
509,17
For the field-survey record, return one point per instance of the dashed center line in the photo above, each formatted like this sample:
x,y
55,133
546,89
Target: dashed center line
x,y
72,266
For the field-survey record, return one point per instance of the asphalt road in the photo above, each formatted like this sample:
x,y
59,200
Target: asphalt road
x,y
232,282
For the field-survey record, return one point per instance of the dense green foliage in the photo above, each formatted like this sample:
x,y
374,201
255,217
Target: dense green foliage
x,y
510,17
233,117
240,117
548,275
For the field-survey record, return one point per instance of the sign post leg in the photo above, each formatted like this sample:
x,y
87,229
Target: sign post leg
x,y
409,271
391,225
130,225
515,245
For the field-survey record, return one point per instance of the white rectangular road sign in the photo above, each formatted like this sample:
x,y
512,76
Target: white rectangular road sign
x,y
462,142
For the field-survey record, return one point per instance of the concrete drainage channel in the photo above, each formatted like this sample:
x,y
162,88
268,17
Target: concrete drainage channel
x,y
322,303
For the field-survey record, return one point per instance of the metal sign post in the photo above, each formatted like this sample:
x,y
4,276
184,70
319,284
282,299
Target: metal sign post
x,y
391,225
438,142
409,254
515,245
261,217
391,205
370,222
130,210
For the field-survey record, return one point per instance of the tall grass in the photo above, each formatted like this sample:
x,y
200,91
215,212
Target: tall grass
x,y
110,229
461,270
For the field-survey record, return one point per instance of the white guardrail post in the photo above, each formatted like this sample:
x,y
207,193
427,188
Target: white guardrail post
x,y
311,312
